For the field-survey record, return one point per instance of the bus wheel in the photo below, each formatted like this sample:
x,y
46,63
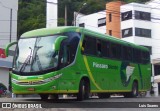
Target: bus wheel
x,y
54,97
134,92
143,94
84,90
44,96
103,95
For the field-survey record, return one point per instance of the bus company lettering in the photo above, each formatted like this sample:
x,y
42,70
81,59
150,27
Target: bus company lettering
x,y
102,66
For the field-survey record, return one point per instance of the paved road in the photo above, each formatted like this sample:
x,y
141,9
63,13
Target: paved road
x,y
93,104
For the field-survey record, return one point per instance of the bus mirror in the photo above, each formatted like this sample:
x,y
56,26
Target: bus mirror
x,y
7,48
58,42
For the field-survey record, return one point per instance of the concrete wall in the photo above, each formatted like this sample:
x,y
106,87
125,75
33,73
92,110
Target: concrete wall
x,y
4,76
113,10
91,21
155,9
52,15
153,25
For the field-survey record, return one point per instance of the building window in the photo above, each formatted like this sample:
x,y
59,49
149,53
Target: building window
x,y
126,32
82,25
143,32
102,22
142,15
110,32
110,17
157,70
126,15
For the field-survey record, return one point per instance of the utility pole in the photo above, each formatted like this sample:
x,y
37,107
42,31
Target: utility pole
x,y
10,25
75,18
65,22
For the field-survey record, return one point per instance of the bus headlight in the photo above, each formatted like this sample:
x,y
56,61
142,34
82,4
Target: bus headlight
x,y
35,82
52,78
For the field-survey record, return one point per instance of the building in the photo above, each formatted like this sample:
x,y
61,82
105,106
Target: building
x,y
112,18
51,13
5,66
95,21
140,24
8,33
106,22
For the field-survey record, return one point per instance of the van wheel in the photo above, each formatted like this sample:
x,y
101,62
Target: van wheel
x,y
84,90
44,96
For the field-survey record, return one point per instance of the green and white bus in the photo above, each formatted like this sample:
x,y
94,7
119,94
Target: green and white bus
x,y
74,60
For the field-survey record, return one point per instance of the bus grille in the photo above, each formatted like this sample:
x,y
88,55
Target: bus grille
x,y
30,82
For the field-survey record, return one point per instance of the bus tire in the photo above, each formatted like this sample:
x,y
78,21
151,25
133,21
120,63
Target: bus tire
x,y
134,92
143,94
44,96
103,95
84,90
54,96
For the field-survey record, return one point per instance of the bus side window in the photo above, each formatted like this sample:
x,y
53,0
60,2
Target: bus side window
x,y
119,54
105,48
98,47
83,45
129,53
124,53
137,55
73,48
145,57
113,50
89,45
65,55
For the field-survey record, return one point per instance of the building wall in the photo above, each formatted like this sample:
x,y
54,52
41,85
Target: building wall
x,y
134,23
153,25
4,76
52,15
8,21
113,18
155,9
91,21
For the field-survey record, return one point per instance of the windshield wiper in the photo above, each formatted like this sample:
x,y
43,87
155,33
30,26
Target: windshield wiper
x,y
36,57
26,61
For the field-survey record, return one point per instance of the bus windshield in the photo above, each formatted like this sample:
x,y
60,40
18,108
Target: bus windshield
x,y
35,54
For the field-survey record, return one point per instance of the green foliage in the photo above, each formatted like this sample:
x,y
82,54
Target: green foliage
x,y
32,13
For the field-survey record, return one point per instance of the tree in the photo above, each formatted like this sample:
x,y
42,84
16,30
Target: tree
x,y
31,15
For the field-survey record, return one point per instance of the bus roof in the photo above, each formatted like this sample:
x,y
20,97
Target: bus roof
x,y
62,29
49,31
